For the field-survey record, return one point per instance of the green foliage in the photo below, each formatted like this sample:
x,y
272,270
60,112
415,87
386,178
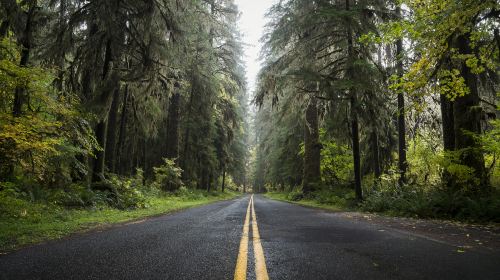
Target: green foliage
x,y
336,163
295,195
45,139
491,144
435,203
23,222
424,155
168,176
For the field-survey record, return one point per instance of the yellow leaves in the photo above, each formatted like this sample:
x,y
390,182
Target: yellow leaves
x,y
30,134
37,136
452,84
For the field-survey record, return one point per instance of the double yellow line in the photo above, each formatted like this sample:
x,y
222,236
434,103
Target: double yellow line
x,y
260,261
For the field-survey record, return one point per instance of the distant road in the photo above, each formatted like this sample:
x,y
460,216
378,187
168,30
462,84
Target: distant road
x,y
249,238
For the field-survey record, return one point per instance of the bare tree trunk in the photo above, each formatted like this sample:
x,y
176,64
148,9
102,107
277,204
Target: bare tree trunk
x,y
355,148
187,134
354,115
111,133
447,117
312,149
4,28
223,179
173,119
376,154
98,169
122,132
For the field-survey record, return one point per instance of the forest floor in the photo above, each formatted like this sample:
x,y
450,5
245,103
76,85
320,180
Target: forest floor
x,y
463,235
43,223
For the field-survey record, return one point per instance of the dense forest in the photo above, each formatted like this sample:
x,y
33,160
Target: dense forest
x,y
389,105
386,106
94,93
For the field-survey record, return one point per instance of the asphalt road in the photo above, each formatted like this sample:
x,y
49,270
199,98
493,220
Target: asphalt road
x,y
204,243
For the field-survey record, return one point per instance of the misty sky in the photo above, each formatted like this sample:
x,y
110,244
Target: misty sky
x,y
251,24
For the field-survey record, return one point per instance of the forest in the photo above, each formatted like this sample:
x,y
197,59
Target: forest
x,y
384,106
112,103
373,105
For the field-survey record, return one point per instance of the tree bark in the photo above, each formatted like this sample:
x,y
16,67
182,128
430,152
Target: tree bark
x,y
402,162
4,28
448,126
467,123
312,149
101,127
98,168
376,154
111,132
355,148
354,114
20,94
121,136
187,134
223,179
173,119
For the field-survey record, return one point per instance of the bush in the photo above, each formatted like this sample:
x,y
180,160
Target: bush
x,y
128,193
168,176
343,197
436,203
78,196
295,195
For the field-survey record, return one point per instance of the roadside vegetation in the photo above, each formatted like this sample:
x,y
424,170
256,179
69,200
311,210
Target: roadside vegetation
x,y
115,110
33,214
382,106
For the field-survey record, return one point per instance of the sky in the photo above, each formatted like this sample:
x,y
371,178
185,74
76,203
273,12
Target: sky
x,y
251,25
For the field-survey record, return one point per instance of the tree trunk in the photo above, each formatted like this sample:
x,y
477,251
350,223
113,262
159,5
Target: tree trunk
x,y
187,134
467,121
376,154
312,149
448,126
354,114
59,82
355,148
173,120
25,40
121,135
111,134
144,159
4,29
223,179
98,169
402,162
101,127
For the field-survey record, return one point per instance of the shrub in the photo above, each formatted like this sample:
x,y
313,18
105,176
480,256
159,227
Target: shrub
x,y
127,195
295,195
168,176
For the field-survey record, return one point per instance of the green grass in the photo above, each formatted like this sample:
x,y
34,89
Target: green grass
x,y
29,223
331,202
403,203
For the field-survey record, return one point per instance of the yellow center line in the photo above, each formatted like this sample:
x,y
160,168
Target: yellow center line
x,y
260,260
241,264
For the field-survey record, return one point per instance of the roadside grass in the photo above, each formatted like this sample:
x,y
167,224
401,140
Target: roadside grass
x,y
436,205
33,223
341,200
